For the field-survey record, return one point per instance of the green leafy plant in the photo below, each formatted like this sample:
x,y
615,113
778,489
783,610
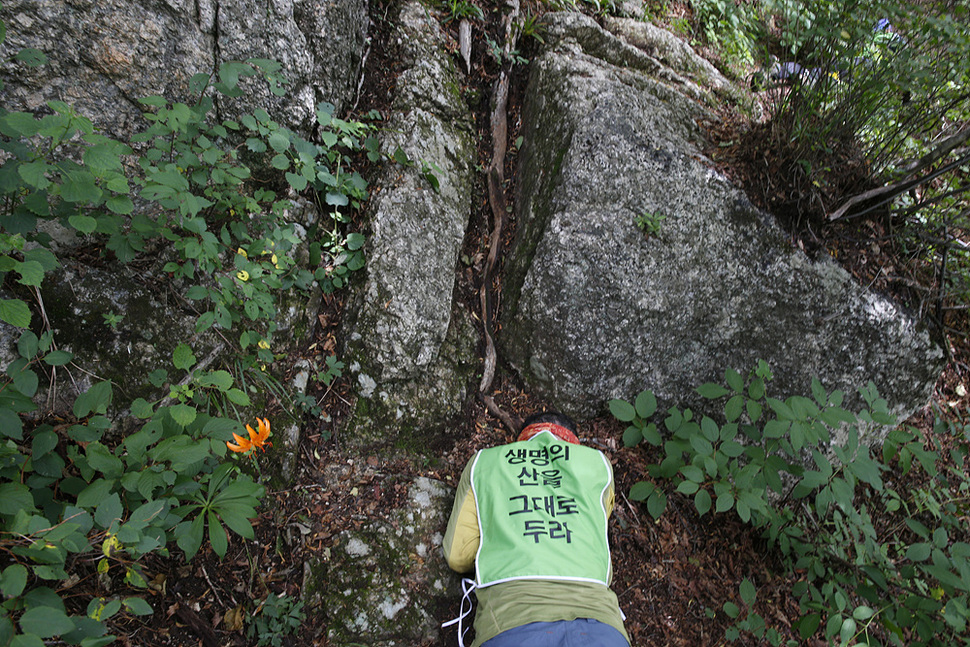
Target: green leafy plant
x,y
274,618
513,57
334,369
219,500
735,27
530,26
78,498
795,469
649,222
460,9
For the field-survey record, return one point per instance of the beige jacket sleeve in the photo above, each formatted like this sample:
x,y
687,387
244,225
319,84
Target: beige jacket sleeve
x,y
463,535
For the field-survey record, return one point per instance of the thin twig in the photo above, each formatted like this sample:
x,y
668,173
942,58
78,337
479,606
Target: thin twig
x,y
212,586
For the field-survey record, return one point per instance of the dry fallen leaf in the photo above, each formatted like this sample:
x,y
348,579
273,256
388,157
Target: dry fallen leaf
x,y
235,619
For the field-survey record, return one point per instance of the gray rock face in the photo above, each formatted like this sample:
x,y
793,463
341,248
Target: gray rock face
x,y
381,584
595,309
103,56
75,300
411,348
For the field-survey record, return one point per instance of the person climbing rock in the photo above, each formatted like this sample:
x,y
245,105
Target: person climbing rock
x,y
530,520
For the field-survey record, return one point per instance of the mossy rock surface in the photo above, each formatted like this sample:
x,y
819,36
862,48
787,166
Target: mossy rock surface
x,y
384,582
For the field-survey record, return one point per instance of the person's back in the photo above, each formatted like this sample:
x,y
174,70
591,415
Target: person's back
x,y
530,518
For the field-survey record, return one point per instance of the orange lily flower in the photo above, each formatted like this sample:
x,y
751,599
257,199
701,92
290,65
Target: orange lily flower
x,y
257,439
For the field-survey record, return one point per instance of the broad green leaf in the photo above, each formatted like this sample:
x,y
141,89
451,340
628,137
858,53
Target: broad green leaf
x,y
141,408
120,204
220,379
34,174
217,535
31,273
688,488
19,124
58,357
32,57
725,502
190,536
748,592
645,404
656,504
183,414
710,429
622,410
918,552
138,606
701,445
863,613
102,157
641,490
147,512
183,358
13,580
109,510
808,625
712,391
27,640
11,425
84,224
93,494
94,400
279,142
26,381
237,517
43,442
732,448
298,182
337,199
734,408
702,501
734,380
632,436
237,396
100,458
79,187
731,609
355,241
280,162
45,621
27,345
692,473
15,312
848,630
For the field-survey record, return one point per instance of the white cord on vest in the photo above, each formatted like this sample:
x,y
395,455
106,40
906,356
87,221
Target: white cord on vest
x,y
467,586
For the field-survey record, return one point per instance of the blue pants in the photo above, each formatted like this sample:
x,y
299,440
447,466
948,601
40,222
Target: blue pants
x,y
563,633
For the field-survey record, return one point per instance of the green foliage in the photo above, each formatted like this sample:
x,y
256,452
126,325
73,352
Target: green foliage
x,y
796,470
461,9
79,495
276,617
735,28
513,57
649,222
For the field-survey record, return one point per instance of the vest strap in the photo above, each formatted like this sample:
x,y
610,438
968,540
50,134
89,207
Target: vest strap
x,y
467,586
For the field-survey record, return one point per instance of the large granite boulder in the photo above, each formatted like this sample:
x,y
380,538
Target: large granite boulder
x,y
595,308
410,347
104,55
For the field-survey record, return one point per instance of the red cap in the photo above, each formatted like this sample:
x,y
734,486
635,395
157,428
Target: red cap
x,y
556,430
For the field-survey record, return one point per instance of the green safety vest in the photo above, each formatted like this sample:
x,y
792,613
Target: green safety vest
x,y
541,513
